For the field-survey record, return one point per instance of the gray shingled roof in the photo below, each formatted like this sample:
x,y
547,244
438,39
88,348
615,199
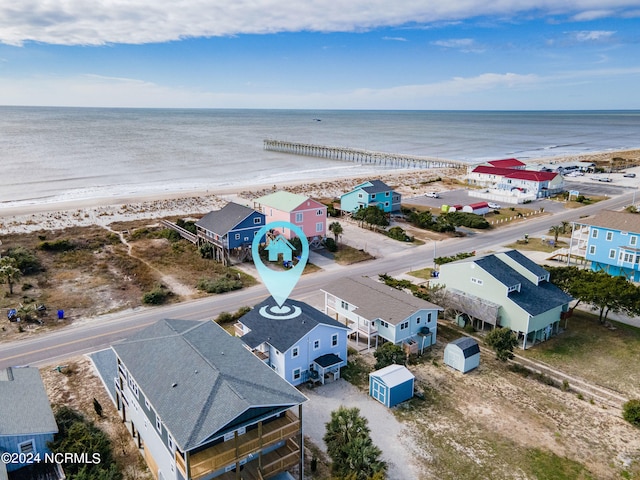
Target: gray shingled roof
x,y
468,345
527,263
216,378
24,405
377,300
532,298
283,334
621,221
377,186
223,220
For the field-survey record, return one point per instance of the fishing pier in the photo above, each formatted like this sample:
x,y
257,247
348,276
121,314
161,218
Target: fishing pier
x,y
356,155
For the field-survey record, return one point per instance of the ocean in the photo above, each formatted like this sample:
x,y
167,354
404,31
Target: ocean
x,y
54,154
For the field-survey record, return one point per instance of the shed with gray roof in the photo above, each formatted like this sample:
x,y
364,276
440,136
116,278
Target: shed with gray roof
x,y
462,354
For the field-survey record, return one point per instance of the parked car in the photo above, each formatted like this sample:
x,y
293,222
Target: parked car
x,y
432,195
630,175
494,205
605,179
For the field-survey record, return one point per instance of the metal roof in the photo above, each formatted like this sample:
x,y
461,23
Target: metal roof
x,y
283,334
393,375
200,380
468,345
284,201
24,405
377,300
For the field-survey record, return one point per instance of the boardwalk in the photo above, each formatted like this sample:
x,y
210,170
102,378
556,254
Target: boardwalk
x,y
361,156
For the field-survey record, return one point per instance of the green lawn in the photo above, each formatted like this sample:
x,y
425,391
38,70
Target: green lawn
x,y
424,273
587,349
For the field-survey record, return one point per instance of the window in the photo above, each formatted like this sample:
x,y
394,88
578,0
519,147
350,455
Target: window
x,y
257,221
295,351
316,344
428,317
299,217
628,257
170,442
404,325
386,204
477,281
612,253
609,236
592,250
26,447
158,423
386,194
334,339
384,324
633,240
344,305
360,195
418,320
133,386
146,404
296,374
319,227
237,236
319,212
594,233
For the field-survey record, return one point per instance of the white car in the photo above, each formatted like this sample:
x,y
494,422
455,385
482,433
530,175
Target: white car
x,y
494,205
432,195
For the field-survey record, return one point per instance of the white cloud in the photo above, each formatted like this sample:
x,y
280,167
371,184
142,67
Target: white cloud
x,y
589,15
87,22
466,45
395,39
592,35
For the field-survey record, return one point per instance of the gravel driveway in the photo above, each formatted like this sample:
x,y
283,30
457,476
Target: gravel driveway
x,y
386,432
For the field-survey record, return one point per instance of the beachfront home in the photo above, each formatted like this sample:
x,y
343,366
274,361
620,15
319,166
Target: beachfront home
x,y
27,423
372,192
611,242
308,347
230,230
372,309
508,163
304,212
508,290
528,182
201,406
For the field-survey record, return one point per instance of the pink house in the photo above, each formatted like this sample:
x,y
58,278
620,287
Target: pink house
x,y
306,213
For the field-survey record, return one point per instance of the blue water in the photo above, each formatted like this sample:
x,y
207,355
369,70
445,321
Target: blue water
x,y
49,154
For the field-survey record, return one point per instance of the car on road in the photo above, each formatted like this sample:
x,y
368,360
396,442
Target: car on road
x,y
494,205
630,175
605,179
432,195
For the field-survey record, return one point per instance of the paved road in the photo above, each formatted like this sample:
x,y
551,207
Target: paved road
x,y
45,349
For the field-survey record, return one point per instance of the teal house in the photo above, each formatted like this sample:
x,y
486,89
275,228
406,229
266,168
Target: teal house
x,y
505,289
372,192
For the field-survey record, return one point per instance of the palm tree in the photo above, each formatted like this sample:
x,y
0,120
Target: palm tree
x,y
9,272
336,229
556,230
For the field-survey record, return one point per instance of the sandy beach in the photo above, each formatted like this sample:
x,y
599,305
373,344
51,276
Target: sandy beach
x,y
30,217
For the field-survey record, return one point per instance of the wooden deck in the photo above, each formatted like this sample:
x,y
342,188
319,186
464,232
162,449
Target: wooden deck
x,y
252,442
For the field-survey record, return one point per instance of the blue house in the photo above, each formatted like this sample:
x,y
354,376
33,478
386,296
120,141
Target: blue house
x,y
280,245
372,192
611,242
230,229
391,385
308,347
26,420
199,405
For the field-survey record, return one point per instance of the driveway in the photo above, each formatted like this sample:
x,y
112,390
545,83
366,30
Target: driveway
x,y
391,436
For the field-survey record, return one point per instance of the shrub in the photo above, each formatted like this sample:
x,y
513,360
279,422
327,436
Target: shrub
x,y
62,245
389,354
26,260
223,284
503,341
330,244
188,225
157,296
631,412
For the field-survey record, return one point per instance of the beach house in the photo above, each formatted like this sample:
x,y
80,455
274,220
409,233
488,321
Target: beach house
x,y
304,212
201,406
505,289
27,423
308,347
528,182
611,242
374,311
371,192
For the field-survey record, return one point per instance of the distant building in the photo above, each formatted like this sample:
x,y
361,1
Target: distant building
x,y
505,289
372,309
610,241
478,208
311,346
512,163
27,423
304,212
200,405
537,183
372,192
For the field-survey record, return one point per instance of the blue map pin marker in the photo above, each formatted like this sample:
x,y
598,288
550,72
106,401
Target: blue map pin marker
x,y
280,283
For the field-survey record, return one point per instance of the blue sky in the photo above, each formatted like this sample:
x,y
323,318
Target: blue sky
x,y
322,54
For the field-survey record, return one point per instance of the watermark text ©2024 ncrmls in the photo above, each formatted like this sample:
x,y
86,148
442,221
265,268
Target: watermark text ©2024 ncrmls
x,y
58,457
